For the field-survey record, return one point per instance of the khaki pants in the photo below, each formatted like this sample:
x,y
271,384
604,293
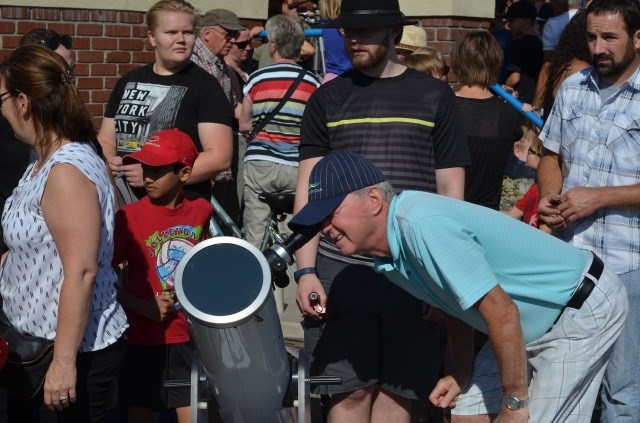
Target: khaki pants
x,y
264,176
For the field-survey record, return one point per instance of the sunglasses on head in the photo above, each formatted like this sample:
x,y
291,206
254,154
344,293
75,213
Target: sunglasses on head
x,y
54,41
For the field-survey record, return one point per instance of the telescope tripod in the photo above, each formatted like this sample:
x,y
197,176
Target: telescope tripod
x,y
299,395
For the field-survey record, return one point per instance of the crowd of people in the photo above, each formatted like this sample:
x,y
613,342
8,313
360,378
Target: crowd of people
x,y
429,291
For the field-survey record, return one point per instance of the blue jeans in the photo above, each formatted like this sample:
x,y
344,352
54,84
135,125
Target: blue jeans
x,y
621,385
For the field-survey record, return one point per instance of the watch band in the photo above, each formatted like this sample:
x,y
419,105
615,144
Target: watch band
x,y
304,271
515,403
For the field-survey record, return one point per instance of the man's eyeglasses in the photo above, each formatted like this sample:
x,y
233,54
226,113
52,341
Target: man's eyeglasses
x,y
54,41
227,35
5,95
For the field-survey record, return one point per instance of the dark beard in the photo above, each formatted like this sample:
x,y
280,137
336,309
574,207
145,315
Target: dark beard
x,y
372,60
615,68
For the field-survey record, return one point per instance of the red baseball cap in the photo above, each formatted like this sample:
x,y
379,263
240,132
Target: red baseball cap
x,y
165,147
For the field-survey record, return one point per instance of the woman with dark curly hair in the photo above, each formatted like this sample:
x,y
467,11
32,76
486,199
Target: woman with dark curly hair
x,y
571,56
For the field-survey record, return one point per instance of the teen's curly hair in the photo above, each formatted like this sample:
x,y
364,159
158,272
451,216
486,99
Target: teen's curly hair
x,y
572,45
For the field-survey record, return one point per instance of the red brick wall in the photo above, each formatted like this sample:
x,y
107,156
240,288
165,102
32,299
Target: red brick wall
x,y
110,43
107,44
442,33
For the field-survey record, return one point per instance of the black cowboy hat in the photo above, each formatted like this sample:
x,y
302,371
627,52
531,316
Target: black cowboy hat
x,y
369,14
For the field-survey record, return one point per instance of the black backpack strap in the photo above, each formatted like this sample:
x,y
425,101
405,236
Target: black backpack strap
x,y
263,122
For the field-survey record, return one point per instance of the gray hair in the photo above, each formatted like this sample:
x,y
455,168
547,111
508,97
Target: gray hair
x,y
287,34
385,188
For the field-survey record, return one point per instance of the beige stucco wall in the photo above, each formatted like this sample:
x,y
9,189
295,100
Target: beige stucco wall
x,y
257,9
465,8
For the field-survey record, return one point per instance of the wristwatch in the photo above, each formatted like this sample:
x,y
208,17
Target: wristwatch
x,y
515,403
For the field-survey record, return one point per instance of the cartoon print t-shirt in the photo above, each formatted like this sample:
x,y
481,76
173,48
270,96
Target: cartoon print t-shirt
x,y
152,240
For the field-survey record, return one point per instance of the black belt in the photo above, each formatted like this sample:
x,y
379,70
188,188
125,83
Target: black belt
x,y
586,286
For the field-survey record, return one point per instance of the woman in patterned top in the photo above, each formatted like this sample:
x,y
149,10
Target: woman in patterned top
x,y
57,280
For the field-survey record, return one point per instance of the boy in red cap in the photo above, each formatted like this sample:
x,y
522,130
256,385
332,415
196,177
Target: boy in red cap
x,y
151,237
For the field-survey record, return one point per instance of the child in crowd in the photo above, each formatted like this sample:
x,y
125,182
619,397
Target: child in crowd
x,y
151,237
428,61
526,209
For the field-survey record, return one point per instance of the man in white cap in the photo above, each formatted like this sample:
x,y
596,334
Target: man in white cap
x,y
410,125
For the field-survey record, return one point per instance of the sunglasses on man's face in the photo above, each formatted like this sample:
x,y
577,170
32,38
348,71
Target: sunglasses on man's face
x,y
54,42
242,45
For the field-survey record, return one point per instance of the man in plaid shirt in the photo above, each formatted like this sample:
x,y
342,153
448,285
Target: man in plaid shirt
x,y
589,177
218,30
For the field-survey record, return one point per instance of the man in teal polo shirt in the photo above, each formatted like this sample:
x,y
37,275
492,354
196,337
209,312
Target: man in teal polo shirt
x,y
551,311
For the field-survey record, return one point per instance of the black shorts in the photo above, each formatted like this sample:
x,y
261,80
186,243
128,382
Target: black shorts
x,y
377,335
148,367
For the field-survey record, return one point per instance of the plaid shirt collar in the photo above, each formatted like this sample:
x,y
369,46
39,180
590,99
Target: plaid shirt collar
x,y
592,79
206,59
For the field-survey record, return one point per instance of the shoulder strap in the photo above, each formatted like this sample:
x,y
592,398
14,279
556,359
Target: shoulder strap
x,y
263,122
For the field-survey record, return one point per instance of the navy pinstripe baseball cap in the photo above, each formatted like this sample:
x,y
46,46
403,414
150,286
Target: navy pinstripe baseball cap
x,y
331,179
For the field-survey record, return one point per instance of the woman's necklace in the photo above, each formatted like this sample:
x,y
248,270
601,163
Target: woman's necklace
x,y
37,166
41,161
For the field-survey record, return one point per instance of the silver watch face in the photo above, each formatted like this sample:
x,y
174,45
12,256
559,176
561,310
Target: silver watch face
x,y
514,403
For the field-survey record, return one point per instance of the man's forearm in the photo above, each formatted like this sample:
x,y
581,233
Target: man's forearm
x,y
549,175
306,255
508,346
506,339
450,182
619,197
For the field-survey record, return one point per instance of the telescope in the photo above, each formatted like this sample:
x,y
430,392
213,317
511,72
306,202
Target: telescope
x,y
224,285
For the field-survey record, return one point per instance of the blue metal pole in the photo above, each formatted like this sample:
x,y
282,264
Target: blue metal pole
x,y
314,32
516,104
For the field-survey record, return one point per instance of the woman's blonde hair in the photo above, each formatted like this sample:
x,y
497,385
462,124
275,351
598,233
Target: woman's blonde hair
x,y
477,58
329,9
168,6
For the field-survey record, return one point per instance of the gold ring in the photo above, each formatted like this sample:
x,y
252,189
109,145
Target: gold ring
x,y
64,398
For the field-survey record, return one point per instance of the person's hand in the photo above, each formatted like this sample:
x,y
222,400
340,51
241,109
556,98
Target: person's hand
x,y
526,107
517,416
133,175
160,307
446,392
306,285
549,212
60,384
510,90
115,164
254,31
579,202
